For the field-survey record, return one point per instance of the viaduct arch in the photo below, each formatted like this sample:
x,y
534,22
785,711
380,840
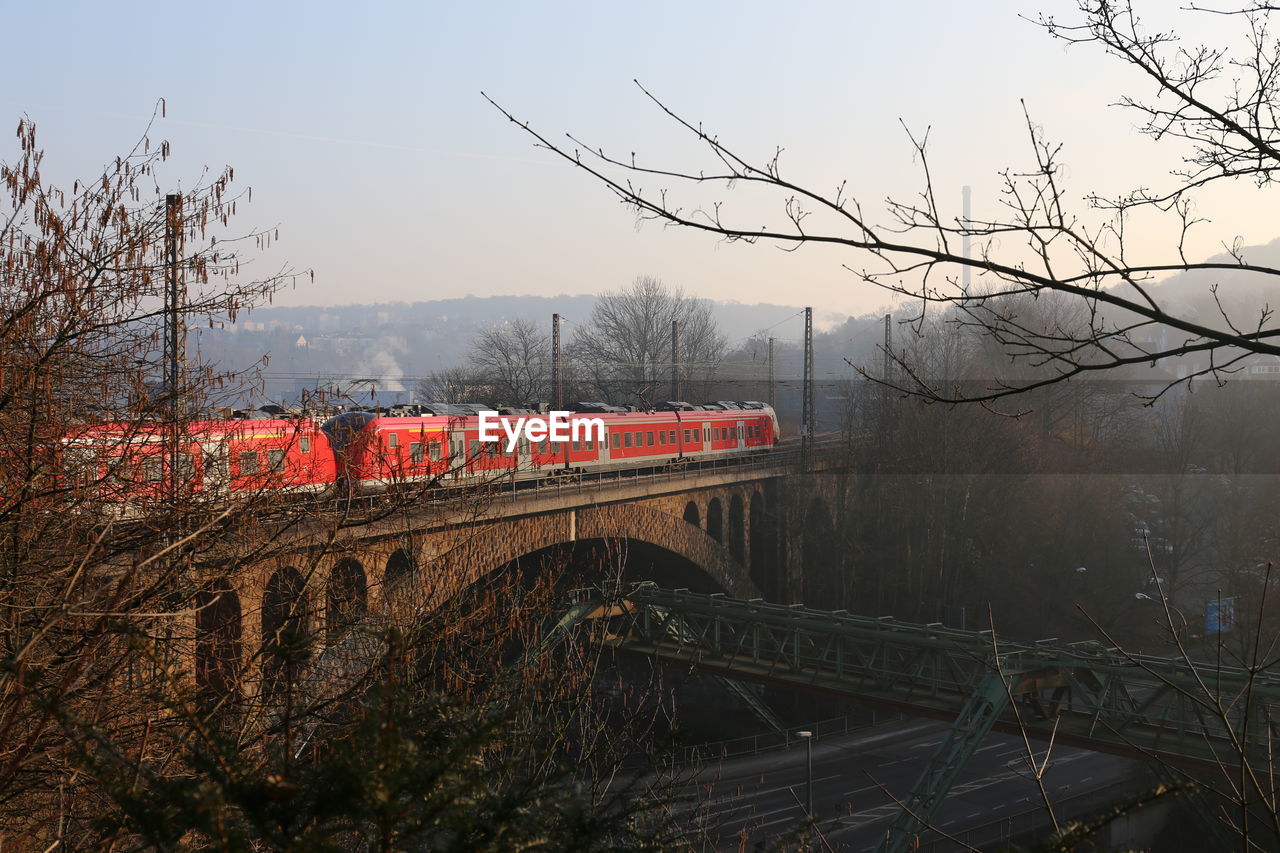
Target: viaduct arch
x,y
730,531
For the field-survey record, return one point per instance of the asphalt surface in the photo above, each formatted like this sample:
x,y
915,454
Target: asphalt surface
x,y
758,802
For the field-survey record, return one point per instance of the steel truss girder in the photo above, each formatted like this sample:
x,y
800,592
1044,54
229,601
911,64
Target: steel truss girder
x,y
1197,714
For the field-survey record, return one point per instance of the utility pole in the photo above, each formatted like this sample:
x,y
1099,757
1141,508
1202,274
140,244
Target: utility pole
x,y
675,359
888,348
175,346
884,380
557,382
773,403
174,356
807,415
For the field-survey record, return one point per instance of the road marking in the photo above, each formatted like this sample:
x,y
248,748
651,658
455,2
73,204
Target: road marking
x,y
756,793
860,790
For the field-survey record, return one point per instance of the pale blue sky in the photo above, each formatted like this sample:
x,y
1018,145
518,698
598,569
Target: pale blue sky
x,y
364,136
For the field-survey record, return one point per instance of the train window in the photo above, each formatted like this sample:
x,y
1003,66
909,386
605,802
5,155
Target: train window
x,y
639,438
739,431
662,436
626,439
671,436
393,440
649,438
153,469
248,463
275,461
304,443
475,448
577,445
617,441
186,467
415,452
435,451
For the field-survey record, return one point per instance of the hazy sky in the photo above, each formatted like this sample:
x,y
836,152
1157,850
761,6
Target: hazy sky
x,y
363,133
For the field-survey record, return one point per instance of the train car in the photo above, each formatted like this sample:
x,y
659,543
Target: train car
x,y
291,455
131,464
374,450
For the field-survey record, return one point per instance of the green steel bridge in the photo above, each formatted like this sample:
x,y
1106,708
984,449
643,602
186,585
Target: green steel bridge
x,y
1198,716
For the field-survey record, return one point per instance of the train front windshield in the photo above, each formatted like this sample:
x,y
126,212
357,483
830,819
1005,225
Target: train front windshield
x,y
344,428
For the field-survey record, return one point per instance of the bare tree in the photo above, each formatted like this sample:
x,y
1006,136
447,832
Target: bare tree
x,y
1217,104
455,385
624,350
514,358
97,588
112,586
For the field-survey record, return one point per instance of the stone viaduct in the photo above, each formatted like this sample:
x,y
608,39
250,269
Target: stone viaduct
x,y
743,529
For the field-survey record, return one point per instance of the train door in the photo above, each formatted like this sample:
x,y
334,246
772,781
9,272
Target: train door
x,y
216,467
602,444
524,456
742,432
457,454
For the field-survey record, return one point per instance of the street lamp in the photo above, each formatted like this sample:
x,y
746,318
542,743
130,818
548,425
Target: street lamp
x,y
808,785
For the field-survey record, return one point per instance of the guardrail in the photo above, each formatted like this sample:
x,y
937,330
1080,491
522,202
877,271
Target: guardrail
x,y
504,487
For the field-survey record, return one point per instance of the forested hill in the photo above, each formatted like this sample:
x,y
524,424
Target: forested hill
x,y
412,339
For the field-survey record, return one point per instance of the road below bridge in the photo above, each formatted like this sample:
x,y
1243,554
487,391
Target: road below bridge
x,y
761,797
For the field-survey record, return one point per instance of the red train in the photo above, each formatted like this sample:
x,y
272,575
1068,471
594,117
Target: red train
x,y
368,451
132,463
373,450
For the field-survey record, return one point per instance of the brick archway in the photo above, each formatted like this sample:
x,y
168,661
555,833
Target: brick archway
x,y
452,561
